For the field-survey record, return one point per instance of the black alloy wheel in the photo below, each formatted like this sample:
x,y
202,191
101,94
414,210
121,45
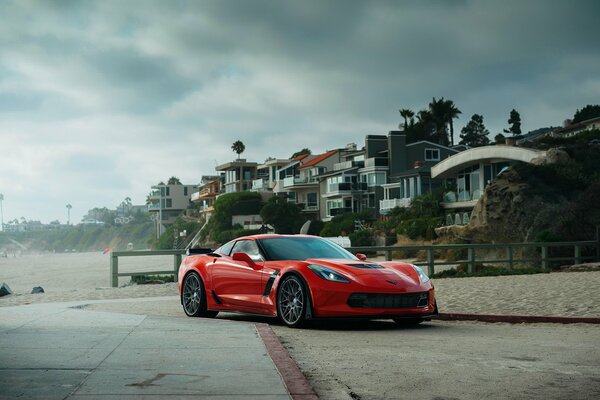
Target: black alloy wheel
x,y
193,297
292,301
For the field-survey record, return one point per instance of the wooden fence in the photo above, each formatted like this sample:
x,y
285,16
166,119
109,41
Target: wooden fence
x,y
543,260
540,250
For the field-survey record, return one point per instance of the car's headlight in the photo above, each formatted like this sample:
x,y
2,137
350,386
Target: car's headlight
x,y
422,275
327,274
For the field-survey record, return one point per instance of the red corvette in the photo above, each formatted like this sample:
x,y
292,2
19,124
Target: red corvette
x,y
299,277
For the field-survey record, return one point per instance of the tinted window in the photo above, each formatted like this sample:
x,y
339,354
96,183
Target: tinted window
x,y
225,249
301,248
249,247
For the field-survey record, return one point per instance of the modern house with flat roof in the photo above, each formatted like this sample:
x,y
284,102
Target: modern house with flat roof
x,y
409,168
239,175
266,174
467,173
167,202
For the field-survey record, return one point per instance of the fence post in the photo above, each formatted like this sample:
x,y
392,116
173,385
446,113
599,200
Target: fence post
x,y
577,254
509,255
544,257
388,255
598,243
176,264
430,263
114,270
471,260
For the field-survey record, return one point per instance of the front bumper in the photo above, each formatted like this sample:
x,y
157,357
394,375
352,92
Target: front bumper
x,y
353,300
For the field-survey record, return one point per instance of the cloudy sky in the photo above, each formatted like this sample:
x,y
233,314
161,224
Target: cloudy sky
x,y
99,100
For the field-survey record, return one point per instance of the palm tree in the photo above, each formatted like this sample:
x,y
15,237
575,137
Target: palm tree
x,y
451,114
406,114
238,147
437,109
443,112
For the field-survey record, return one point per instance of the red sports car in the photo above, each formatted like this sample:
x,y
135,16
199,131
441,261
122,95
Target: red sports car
x,y
300,277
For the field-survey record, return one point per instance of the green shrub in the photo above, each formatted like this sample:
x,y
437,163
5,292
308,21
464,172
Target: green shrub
x,y
361,238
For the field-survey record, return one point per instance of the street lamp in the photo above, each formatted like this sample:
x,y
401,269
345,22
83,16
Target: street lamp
x,y
69,214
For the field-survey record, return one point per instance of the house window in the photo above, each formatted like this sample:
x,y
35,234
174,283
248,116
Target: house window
x,y
311,199
169,203
432,155
334,204
376,178
185,191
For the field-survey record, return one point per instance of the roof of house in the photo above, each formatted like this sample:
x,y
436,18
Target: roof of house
x,y
318,159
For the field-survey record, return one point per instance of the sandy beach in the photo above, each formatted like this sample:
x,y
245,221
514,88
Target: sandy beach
x,y
85,276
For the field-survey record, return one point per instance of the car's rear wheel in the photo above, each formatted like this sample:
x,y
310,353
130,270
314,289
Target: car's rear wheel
x,y
193,297
292,301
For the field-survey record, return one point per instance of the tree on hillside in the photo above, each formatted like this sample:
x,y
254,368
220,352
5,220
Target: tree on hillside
x,y
173,181
514,121
475,133
301,152
407,115
284,216
587,112
238,147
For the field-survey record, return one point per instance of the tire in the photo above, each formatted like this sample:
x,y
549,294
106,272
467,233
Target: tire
x,y
193,297
408,321
292,301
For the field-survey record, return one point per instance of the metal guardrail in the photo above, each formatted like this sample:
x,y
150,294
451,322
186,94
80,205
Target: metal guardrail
x,y
472,259
114,263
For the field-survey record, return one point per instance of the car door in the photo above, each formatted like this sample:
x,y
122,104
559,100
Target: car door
x,y
236,283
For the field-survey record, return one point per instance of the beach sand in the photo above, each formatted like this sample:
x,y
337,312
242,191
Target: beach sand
x,y
85,277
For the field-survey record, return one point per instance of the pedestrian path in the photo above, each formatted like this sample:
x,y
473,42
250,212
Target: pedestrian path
x,y
57,351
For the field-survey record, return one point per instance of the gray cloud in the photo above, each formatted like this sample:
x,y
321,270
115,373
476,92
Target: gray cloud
x,y
99,100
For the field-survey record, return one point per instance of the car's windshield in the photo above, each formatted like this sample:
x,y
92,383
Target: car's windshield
x,y
301,248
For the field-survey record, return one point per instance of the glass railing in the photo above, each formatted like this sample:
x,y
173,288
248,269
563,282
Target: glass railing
x,y
454,197
389,204
376,162
346,186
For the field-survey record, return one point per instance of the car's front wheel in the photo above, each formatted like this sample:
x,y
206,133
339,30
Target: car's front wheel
x,y
292,301
193,297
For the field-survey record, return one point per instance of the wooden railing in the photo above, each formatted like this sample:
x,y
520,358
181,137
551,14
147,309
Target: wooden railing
x,y
544,259
114,263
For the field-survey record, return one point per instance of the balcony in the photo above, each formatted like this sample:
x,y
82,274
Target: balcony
x,y
376,162
334,188
296,181
260,185
337,211
308,207
388,204
461,199
153,207
348,164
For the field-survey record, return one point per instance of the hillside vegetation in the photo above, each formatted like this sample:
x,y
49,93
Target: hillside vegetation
x,y
81,238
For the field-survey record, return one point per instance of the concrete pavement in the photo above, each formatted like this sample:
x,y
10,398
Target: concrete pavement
x,y
57,351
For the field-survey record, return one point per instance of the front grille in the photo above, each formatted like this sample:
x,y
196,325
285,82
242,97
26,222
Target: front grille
x,y
384,300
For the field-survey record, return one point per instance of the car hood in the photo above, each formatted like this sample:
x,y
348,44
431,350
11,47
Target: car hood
x,y
371,273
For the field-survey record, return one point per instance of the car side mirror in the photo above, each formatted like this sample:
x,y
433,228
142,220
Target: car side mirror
x,y
361,256
245,258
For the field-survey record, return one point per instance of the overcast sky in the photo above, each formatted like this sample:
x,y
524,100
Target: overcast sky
x,y
99,100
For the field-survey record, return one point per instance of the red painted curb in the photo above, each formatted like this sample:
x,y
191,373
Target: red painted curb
x,y
294,380
517,319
